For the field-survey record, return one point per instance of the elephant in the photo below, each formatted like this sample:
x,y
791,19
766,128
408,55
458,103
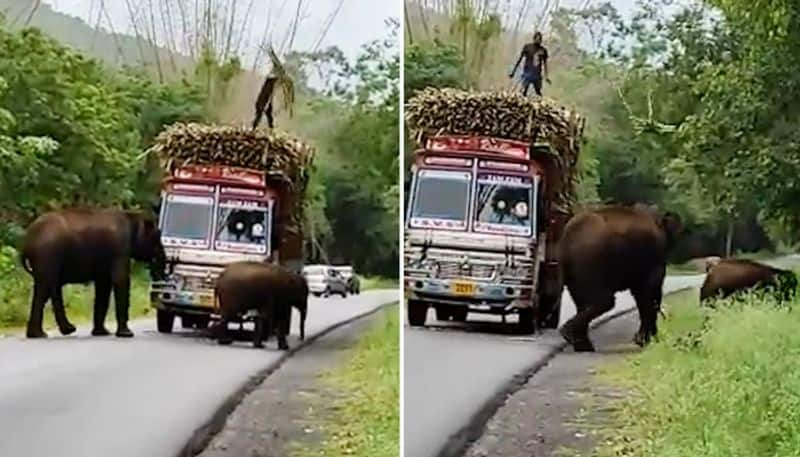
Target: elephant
x,y
268,289
75,246
728,276
610,250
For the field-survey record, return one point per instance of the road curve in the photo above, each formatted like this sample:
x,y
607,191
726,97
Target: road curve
x,y
83,396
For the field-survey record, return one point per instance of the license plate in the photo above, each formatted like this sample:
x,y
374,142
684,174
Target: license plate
x,y
463,288
207,301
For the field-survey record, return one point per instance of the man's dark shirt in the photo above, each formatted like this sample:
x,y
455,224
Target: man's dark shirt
x,y
535,55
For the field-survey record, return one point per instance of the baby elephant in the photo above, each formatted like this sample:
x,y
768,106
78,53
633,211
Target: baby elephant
x,y
268,290
727,276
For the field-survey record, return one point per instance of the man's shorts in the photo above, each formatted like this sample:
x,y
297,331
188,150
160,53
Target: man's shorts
x,y
532,78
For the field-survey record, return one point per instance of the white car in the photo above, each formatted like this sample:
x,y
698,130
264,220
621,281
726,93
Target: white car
x,y
350,278
324,280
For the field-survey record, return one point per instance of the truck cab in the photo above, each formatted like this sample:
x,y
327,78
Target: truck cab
x,y
476,231
210,216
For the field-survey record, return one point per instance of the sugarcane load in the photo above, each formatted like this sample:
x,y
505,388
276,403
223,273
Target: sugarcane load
x,y
231,193
493,183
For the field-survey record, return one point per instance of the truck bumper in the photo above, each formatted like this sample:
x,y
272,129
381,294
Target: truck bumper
x,y
182,302
482,294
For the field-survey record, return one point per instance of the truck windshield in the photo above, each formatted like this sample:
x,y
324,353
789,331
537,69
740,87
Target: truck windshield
x,y
441,199
243,226
503,204
187,218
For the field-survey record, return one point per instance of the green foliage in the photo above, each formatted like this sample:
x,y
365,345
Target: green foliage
x,y
432,64
367,418
354,123
74,130
719,383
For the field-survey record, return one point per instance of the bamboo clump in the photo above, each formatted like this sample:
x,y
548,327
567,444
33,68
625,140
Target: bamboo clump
x,y
508,115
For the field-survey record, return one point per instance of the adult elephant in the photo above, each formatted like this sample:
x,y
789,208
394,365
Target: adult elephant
x,y
77,246
610,250
728,276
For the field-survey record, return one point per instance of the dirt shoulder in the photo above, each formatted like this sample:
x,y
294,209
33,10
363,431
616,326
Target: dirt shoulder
x,y
284,413
557,410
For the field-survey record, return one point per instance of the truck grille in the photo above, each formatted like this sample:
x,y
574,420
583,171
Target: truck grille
x,y
450,269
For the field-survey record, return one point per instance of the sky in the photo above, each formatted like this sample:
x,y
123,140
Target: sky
x,y
357,22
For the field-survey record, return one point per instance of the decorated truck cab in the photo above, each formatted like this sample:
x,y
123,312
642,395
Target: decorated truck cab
x,y
210,216
484,216
244,204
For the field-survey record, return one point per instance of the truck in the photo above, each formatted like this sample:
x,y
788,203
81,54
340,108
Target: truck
x,y
483,218
216,210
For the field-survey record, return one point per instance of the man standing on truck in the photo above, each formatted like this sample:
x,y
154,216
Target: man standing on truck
x,y
535,65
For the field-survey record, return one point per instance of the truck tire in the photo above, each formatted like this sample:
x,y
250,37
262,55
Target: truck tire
x,y
164,321
526,324
443,312
417,313
459,313
549,312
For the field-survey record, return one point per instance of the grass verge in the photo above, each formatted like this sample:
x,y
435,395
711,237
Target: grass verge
x,y
366,417
377,282
722,383
15,301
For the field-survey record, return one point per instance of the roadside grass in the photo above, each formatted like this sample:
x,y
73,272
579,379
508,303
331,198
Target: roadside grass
x,y
679,269
718,383
366,411
378,282
15,301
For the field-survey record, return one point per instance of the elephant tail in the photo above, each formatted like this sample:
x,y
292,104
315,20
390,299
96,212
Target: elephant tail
x,y
25,263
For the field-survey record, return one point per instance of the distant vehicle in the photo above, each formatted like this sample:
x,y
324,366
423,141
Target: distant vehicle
x,y
353,283
324,280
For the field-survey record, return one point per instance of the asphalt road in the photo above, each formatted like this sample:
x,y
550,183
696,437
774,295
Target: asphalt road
x,y
83,396
452,371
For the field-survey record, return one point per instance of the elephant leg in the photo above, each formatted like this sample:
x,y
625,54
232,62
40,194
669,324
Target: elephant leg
x,y
57,299
102,296
281,333
41,293
576,330
258,334
281,324
648,301
121,279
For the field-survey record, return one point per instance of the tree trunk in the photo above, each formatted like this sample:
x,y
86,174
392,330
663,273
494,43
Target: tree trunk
x,y
729,239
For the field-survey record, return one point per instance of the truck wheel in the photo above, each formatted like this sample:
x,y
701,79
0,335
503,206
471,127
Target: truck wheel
x,y
443,312
526,324
549,312
164,321
459,313
417,313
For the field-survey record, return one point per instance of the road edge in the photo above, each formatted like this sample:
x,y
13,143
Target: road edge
x,y
458,443
203,435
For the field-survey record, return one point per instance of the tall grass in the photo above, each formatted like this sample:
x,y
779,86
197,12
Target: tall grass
x,y
723,383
